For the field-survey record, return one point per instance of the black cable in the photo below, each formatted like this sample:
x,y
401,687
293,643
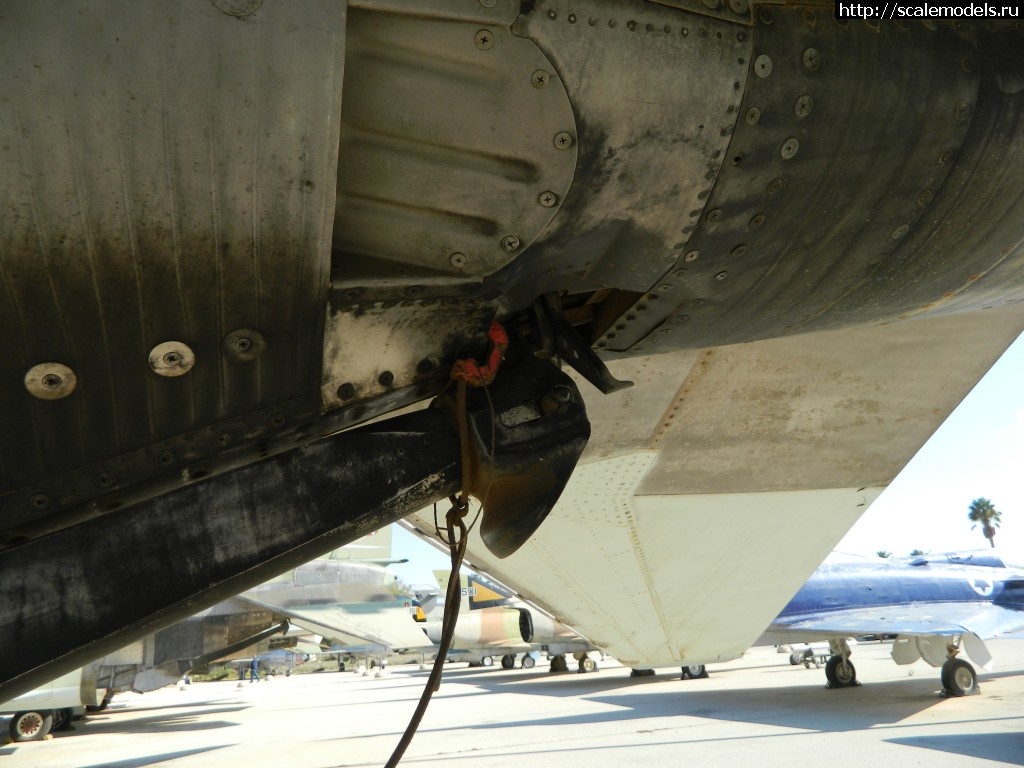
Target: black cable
x,y
454,519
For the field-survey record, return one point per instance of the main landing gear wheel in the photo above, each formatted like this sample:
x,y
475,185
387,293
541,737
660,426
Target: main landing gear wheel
x,y
558,663
959,678
694,672
486,661
31,726
587,664
62,719
508,661
840,673
107,697
529,662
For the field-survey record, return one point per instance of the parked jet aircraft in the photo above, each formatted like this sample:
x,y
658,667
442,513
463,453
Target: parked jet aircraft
x,y
936,606
493,623
234,233
342,598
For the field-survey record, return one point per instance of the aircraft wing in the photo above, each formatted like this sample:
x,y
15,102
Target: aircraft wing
x,y
713,488
386,624
985,620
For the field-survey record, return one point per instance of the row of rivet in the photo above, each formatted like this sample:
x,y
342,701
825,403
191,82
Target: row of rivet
x,y
633,26
386,379
484,40
811,61
55,381
802,108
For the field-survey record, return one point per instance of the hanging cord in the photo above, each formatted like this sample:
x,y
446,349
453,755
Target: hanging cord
x,y
454,520
456,534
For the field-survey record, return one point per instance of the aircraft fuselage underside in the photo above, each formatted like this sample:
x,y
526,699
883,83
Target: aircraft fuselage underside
x,y
231,230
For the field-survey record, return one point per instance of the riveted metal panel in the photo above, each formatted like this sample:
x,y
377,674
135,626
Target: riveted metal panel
x,y
852,191
655,91
457,145
168,177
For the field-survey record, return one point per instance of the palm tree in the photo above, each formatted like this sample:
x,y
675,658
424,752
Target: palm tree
x,y
983,512
883,553
916,552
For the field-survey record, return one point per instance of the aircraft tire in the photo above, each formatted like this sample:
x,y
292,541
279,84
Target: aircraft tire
x,y
694,672
796,658
486,661
32,725
959,678
107,697
529,662
508,661
587,664
838,674
62,719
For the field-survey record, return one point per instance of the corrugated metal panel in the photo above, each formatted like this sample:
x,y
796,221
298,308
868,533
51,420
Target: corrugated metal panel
x,y
168,176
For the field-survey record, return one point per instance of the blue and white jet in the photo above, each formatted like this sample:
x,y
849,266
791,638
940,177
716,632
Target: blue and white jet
x,y
936,606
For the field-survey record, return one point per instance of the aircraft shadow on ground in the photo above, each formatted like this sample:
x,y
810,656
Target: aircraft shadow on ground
x,y
179,721
134,708
141,762
775,708
809,708
999,746
541,682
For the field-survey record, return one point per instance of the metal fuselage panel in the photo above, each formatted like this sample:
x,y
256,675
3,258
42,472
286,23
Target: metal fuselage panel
x,y
280,187
841,587
203,190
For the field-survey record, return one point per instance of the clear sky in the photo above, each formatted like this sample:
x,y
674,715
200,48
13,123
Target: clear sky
x,y
978,451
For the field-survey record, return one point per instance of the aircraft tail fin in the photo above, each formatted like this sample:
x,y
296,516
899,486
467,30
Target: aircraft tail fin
x,y
476,592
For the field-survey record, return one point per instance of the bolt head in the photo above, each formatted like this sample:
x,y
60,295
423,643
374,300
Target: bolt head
x,y
540,78
458,260
547,199
803,106
510,243
484,40
563,140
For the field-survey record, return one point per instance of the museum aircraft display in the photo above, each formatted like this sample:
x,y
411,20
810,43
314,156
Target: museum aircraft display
x,y
495,624
241,239
936,607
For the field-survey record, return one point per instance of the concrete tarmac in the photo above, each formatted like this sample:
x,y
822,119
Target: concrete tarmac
x,y
756,711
